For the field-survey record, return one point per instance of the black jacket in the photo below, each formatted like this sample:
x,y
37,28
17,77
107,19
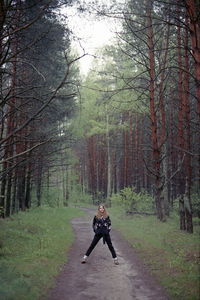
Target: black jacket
x,y
102,225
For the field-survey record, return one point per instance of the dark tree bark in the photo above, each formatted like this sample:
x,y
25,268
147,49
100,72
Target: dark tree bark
x,y
192,9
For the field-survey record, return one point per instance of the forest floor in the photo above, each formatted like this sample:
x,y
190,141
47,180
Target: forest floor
x,y
99,278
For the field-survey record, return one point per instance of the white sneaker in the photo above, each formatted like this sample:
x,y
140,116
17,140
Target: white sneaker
x,y
116,261
83,261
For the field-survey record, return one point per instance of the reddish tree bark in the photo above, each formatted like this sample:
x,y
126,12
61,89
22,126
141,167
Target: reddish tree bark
x,y
192,9
153,117
184,121
136,145
125,180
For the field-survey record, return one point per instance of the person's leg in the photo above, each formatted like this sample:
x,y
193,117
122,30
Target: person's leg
x,y
110,246
93,244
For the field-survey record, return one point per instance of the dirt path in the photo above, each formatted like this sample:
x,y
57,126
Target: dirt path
x,y
99,278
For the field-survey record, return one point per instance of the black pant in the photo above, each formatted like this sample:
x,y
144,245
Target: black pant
x,y
107,238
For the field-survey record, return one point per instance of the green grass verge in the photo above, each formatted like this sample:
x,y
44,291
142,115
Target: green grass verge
x,y
33,247
172,255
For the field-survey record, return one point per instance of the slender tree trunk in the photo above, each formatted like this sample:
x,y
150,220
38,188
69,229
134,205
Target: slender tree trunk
x,y
28,189
3,192
2,20
109,191
192,8
162,106
66,188
98,168
154,130
94,170
15,203
92,166
8,196
8,147
63,183
130,146
184,122
137,166
21,190
39,184
188,169
9,152
182,213
125,158
165,188
188,209
181,144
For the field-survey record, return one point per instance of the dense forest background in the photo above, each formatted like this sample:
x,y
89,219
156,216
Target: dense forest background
x,y
128,133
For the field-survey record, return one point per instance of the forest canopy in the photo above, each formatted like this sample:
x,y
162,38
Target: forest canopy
x,y
128,129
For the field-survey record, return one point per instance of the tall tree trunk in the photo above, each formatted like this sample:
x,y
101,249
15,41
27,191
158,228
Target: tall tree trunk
x,y
3,195
181,143
28,188
67,187
8,147
39,184
154,130
8,196
92,166
21,187
109,189
184,122
15,203
188,209
189,221
182,213
2,20
162,109
137,167
125,158
165,188
192,8
130,147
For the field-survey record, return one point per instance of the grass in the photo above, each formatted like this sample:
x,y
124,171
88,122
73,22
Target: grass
x,y
33,247
172,255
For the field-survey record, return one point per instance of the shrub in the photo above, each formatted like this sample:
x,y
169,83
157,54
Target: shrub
x,y
132,201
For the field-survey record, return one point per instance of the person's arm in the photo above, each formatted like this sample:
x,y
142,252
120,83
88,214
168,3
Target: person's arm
x,y
94,223
109,223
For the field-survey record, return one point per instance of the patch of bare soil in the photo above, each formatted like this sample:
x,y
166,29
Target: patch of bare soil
x,y
99,278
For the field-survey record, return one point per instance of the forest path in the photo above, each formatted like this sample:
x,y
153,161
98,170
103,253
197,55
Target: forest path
x,y
99,278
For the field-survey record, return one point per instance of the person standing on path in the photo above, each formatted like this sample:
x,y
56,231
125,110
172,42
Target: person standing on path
x,y
101,227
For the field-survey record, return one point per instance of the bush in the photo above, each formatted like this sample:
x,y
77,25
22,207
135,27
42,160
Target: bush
x,y
132,201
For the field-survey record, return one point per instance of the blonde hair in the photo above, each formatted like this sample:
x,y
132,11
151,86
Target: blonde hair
x,y
99,214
